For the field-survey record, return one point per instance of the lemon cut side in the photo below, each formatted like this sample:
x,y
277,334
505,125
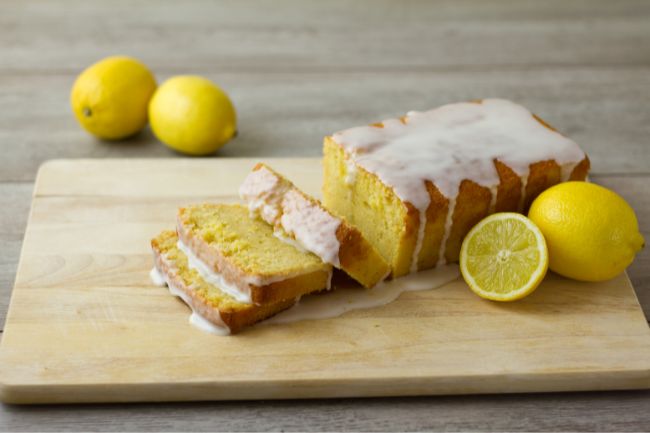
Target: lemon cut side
x,y
504,257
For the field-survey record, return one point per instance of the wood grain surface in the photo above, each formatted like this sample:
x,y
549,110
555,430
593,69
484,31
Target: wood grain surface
x,y
85,267
297,71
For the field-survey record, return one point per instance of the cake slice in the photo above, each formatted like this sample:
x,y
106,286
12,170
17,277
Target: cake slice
x,y
243,258
207,300
416,185
302,220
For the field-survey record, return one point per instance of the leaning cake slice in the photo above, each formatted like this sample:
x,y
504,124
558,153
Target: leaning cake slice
x,y
243,258
214,309
301,220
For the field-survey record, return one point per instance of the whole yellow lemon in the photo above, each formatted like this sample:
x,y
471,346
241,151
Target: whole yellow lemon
x,y
192,115
110,98
591,232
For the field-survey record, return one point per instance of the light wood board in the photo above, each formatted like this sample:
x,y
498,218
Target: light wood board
x,y
86,325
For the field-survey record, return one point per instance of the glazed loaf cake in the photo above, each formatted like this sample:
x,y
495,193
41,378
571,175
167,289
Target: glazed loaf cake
x,y
416,185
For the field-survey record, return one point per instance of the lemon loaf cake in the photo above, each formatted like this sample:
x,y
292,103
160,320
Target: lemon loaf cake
x,y
416,185
242,256
300,219
223,312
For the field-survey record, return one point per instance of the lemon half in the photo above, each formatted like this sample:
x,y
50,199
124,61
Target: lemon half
x,y
504,257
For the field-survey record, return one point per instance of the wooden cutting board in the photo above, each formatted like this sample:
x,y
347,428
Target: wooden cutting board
x,y
86,325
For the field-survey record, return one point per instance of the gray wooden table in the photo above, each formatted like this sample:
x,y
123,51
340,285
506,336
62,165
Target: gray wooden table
x,y
298,71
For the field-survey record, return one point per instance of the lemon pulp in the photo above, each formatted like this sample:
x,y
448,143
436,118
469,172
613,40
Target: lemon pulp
x,y
504,257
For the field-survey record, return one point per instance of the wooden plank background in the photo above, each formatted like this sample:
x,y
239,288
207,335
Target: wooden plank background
x,y
297,71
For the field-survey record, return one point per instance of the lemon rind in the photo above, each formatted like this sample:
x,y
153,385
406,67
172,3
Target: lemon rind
x,y
536,277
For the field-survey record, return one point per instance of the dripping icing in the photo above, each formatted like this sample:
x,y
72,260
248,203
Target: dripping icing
x,y
157,278
340,301
347,298
195,319
452,143
418,242
241,292
449,220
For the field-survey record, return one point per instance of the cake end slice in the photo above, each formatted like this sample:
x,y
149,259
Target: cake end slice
x,y
301,219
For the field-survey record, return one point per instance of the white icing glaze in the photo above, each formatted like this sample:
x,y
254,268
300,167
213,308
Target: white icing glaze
x,y
157,278
205,325
445,237
195,318
344,299
264,191
418,243
241,292
452,143
280,234
313,228
329,282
